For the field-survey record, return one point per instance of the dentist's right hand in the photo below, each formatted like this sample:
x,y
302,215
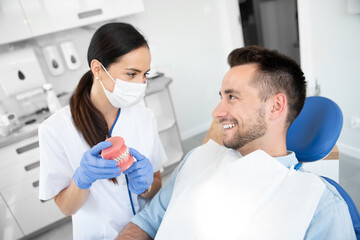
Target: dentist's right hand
x,y
94,167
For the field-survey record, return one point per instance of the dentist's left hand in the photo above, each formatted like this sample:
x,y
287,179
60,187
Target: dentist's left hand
x,y
140,174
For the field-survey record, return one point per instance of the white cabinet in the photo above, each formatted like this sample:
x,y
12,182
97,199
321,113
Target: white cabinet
x,y
13,25
23,19
8,226
19,181
56,15
31,213
158,99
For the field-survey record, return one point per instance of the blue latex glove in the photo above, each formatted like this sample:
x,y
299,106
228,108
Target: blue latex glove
x,y
94,167
140,174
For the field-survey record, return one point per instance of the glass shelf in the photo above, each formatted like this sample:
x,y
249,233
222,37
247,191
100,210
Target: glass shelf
x,y
174,155
164,122
158,99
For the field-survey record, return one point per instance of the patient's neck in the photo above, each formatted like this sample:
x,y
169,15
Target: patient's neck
x,y
273,148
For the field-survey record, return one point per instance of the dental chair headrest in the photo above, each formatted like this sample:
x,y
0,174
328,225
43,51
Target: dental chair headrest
x,y
316,130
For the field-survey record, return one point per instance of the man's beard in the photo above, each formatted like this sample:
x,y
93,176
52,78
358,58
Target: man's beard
x,y
250,133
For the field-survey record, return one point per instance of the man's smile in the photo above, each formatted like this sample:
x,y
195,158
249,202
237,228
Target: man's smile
x,y
228,126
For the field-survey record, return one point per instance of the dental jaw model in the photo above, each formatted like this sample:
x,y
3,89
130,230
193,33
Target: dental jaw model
x,y
119,152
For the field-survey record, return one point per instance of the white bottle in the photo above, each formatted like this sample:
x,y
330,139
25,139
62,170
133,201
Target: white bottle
x,y
52,100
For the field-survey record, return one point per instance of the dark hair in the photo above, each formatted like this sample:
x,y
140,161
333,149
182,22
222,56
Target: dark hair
x,y
108,44
276,73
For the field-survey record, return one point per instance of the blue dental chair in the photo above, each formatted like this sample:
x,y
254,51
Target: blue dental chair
x,y
313,135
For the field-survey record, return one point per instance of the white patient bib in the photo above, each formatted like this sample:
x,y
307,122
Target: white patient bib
x,y
219,195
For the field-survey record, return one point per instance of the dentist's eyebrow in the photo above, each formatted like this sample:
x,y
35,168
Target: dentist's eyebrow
x,y
133,69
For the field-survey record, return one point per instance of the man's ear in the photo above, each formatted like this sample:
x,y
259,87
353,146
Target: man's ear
x,y
96,69
278,106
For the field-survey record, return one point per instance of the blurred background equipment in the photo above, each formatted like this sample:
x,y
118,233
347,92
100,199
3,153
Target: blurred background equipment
x,y
21,71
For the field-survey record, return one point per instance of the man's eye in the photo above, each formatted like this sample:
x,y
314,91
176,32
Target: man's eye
x,y
231,97
131,74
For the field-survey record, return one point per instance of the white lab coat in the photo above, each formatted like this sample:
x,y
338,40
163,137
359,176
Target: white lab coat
x,y
107,209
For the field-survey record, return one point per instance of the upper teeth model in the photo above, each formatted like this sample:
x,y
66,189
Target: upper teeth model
x,y
123,156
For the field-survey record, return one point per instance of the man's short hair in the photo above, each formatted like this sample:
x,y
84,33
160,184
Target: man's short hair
x,y
276,73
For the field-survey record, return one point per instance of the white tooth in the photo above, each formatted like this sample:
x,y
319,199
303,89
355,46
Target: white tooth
x,y
227,126
122,156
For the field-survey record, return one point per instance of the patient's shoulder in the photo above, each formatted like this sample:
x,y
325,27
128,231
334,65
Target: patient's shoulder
x,y
331,201
331,195
331,218
330,198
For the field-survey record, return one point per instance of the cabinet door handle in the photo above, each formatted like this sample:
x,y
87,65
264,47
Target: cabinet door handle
x,y
90,13
35,184
32,166
27,147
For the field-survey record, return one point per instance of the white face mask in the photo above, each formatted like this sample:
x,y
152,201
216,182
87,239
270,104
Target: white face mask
x,y
125,93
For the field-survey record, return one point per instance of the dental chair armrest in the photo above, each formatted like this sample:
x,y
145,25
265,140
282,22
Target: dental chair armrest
x,y
214,133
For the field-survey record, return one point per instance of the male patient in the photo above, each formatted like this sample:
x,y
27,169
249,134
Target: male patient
x,y
252,187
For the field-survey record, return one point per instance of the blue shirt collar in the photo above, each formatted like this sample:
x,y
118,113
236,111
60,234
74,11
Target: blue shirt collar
x,y
288,160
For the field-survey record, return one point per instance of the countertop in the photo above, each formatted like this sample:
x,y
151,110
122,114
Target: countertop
x,y
23,131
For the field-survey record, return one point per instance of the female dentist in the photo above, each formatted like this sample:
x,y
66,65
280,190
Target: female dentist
x,y
100,199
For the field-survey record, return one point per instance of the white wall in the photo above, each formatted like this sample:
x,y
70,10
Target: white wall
x,y
189,41
330,50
